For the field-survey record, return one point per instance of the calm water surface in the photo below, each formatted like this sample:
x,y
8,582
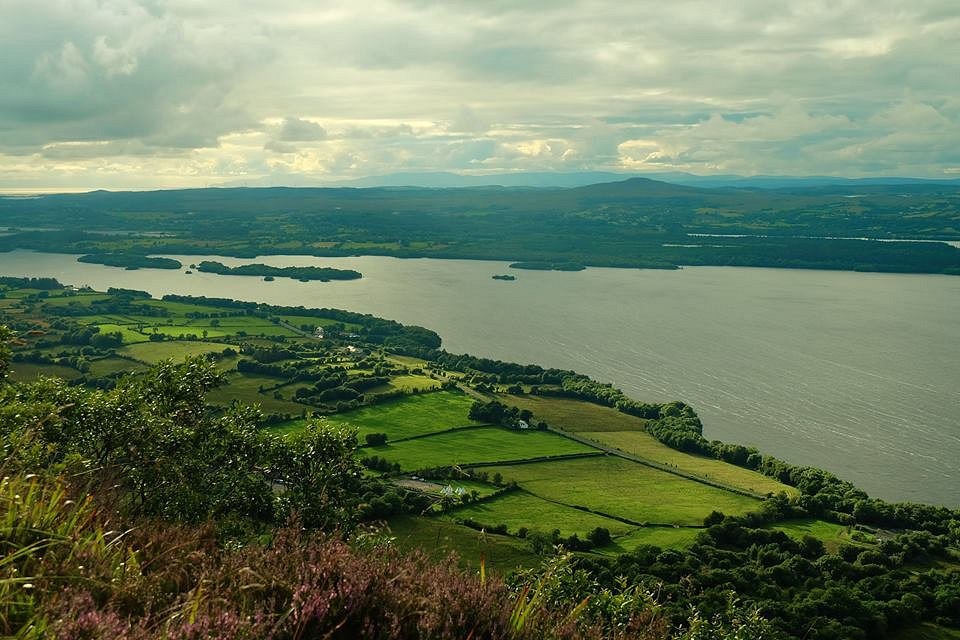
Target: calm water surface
x,y
857,373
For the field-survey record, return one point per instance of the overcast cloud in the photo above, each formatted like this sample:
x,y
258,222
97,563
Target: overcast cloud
x,y
154,93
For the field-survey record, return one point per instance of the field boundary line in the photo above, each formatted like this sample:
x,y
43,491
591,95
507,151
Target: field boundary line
x,y
655,465
562,456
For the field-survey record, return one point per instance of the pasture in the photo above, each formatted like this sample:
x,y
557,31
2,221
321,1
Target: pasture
x,y
831,534
154,352
245,389
574,415
663,537
519,509
626,489
625,432
439,538
404,417
28,371
475,445
646,446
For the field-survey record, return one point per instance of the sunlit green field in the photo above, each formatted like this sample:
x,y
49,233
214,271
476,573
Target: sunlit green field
x,y
625,432
405,417
519,509
154,352
481,444
663,537
626,489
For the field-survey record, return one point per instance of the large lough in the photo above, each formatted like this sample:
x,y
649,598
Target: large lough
x,y
857,373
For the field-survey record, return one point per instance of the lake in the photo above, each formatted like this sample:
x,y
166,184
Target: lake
x,y
858,373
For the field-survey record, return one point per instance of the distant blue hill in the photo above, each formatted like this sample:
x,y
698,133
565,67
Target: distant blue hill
x,y
447,180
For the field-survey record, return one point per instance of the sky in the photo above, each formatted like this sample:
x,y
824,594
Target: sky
x,y
120,94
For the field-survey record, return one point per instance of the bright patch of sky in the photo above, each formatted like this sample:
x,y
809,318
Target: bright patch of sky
x,y
179,93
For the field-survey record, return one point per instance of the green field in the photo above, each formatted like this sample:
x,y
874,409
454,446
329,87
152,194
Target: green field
x,y
925,631
245,389
574,415
405,417
108,366
412,382
626,489
130,335
28,371
154,352
438,538
663,537
520,509
830,533
646,446
481,444
625,432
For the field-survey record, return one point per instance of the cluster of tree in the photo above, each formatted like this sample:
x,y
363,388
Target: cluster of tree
x,y
495,412
172,458
44,284
377,463
128,293
401,338
130,261
304,274
823,493
635,223
583,388
806,592
548,266
504,372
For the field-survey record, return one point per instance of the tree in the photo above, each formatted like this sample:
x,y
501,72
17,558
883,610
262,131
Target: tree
x,y
376,439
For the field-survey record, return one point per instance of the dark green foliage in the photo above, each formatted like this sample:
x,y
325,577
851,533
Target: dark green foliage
x,y
375,439
298,273
635,223
173,459
130,261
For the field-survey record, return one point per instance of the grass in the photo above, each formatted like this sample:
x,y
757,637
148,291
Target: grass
x,y
409,416
575,415
626,433
178,331
438,538
646,446
407,361
297,321
663,537
830,533
130,336
410,382
245,389
482,444
626,489
925,631
154,352
436,486
28,371
108,366
520,509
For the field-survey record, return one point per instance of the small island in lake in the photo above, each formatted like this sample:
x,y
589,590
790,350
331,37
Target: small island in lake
x,y
505,276
548,266
303,274
130,261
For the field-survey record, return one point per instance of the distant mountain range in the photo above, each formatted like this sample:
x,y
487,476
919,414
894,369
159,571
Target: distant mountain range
x,y
446,180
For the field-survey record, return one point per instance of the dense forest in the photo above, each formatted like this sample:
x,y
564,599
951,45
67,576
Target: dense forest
x,y
635,223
